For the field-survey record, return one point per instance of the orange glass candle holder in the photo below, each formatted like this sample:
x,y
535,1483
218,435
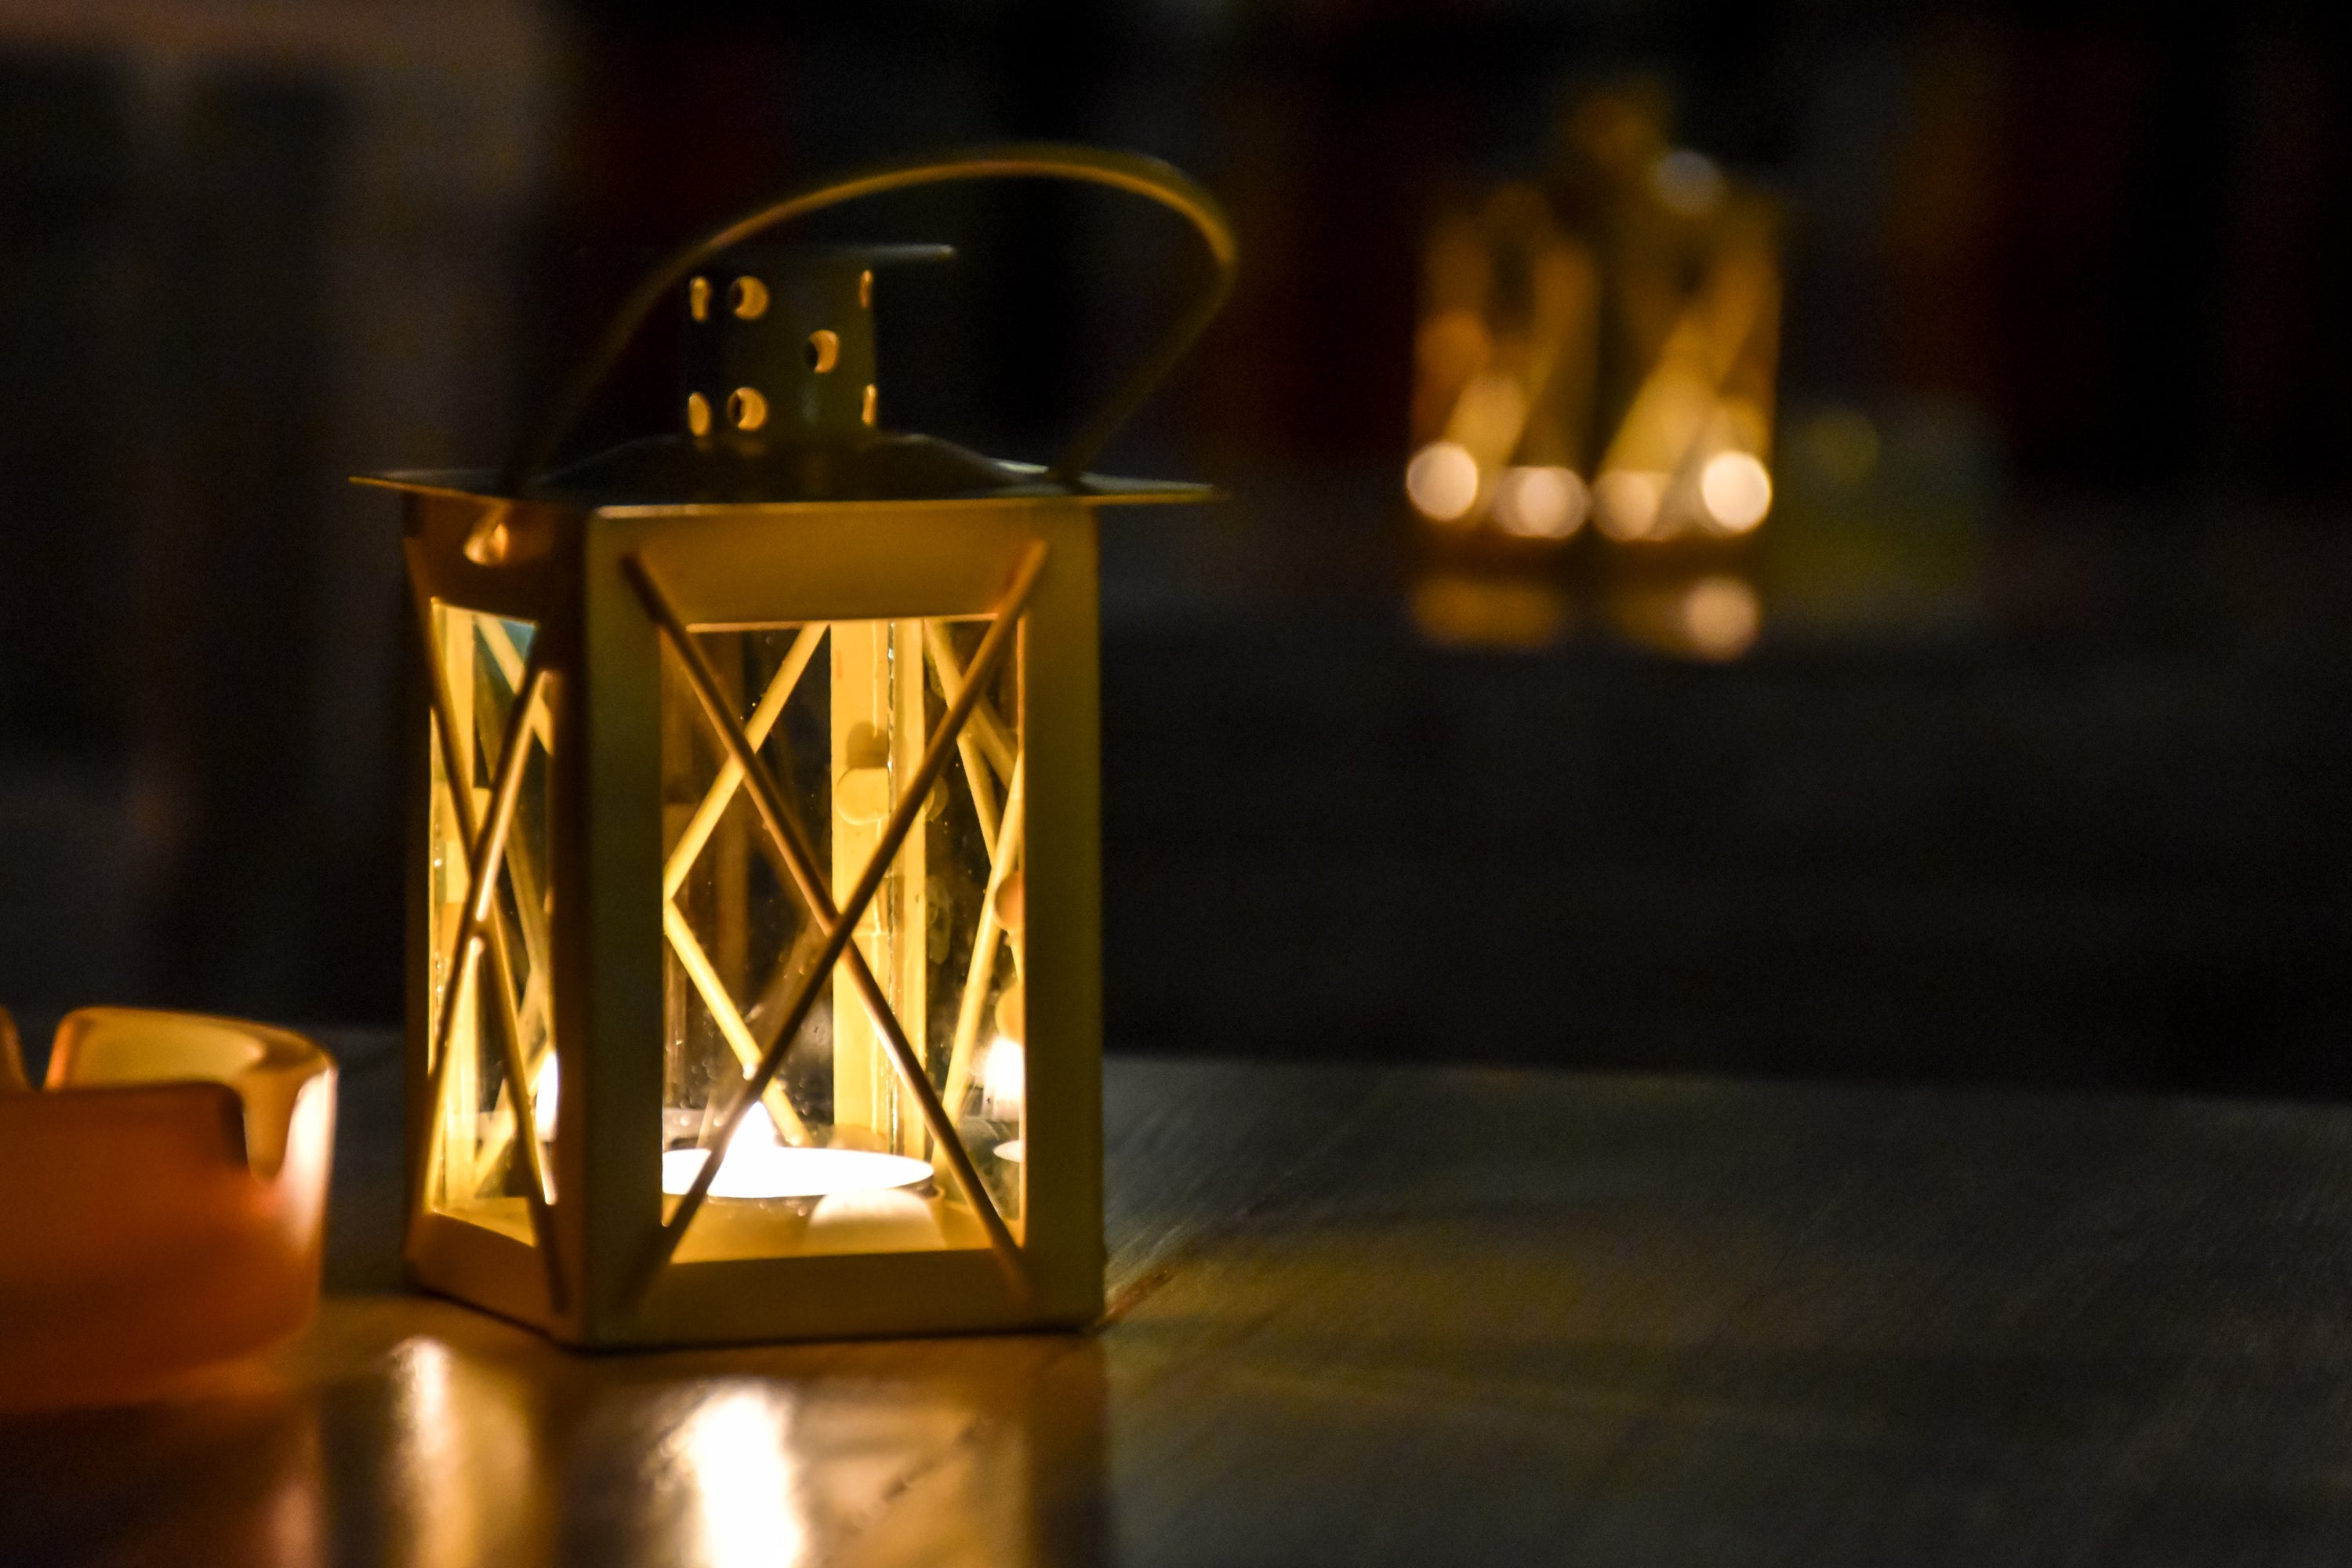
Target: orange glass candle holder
x,y
166,1196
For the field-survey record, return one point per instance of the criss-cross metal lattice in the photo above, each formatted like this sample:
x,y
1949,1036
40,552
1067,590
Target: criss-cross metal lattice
x,y
969,731
521,1023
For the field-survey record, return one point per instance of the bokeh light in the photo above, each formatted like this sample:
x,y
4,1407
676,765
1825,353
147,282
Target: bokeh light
x,y
1721,615
1541,502
1735,491
1442,481
1625,503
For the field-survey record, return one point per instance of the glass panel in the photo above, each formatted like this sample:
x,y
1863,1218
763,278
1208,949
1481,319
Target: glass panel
x,y
838,1157
479,1177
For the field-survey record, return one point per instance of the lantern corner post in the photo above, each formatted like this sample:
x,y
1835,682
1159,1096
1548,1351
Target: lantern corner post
x,y
610,982
471,561
1061,743
417,756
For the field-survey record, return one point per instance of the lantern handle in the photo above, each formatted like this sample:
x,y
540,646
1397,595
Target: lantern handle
x,y
1129,172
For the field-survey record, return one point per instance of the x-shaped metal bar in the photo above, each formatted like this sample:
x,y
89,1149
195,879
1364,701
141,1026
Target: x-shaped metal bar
x,y
487,843
972,739
987,730
840,925
722,790
532,919
731,1027
715,800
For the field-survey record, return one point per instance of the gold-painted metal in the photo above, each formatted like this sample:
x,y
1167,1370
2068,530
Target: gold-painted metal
x,y
599,649
511,1030
554,960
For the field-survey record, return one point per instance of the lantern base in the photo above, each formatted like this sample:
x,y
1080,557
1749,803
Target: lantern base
x,y
956,1287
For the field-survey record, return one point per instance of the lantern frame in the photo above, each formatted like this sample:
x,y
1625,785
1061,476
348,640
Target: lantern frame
x,y
608,585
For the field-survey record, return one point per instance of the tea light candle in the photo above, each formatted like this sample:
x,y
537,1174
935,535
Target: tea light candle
x,y
759,1165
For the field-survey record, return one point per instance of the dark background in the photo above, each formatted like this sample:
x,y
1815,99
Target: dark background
x,y
2037,772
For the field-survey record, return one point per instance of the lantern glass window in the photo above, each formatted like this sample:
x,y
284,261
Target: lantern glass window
x,y
479,1175
836,1157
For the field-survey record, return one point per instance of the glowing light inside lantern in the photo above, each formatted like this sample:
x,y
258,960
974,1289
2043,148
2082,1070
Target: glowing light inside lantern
x,y
546,1087
1002,1082
758,1166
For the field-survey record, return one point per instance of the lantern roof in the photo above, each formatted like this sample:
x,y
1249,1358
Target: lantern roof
x,y
779,402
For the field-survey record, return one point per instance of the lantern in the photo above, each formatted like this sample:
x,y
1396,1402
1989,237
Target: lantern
x,y
753,983
1598,348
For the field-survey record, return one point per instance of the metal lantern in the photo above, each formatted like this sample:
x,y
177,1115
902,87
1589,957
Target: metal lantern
x,y
754,911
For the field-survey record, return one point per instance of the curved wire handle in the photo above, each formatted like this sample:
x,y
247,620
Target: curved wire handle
x,y
1138,175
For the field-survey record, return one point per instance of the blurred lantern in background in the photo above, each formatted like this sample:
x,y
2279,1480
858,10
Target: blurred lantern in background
x,y
1595,359
754,983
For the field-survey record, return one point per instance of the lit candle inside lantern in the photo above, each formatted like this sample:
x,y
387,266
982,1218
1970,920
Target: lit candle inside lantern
x,y
757,1165
1003,1082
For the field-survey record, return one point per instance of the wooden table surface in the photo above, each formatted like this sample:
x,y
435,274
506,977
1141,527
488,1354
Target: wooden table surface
x,y
1380,1316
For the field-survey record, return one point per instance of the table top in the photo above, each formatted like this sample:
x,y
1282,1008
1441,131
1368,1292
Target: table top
x,y
1365,1316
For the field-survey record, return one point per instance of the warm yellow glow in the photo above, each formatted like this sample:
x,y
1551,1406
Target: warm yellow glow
x,y
546,1088
433,1450
1736,489
1687,182
1721,616
463,1480
1003,1081
886,1219
1442,481
758,1166
1489,417
1540,503
1625,503
734,1453
1014,1149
